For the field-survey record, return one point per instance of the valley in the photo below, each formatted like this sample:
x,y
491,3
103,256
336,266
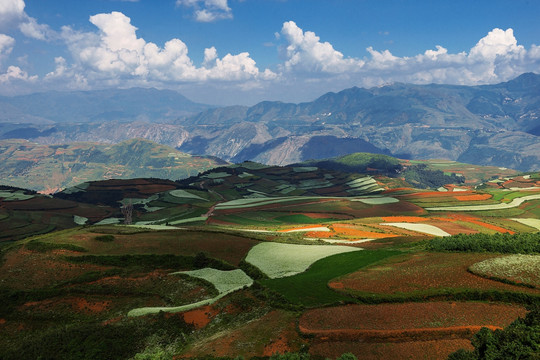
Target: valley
x,y
251,260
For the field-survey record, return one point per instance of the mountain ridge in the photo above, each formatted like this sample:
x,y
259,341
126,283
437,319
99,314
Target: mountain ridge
x,y
493,125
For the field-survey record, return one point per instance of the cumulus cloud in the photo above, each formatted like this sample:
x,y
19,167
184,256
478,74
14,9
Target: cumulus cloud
x,y
6,45
115,53
496,57
12,14
32,29
305,52
15,73
207,10
11,11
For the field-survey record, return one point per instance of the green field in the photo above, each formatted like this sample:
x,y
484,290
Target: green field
x,y
310,287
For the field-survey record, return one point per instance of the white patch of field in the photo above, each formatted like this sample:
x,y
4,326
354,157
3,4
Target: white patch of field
x,y
527,177
422,228
193,219
288,190
460,189
245,175
179,193
534,223
525,268
17,195
442,189
360,181
527,188
245,203
76,188
280,260
109,221
315,228
501,206
225,283
79,220
217,175
378,200
302,169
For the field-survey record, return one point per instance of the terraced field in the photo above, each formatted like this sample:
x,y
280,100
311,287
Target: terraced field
x,y
252,260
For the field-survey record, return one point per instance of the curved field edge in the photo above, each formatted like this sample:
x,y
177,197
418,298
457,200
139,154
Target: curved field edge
x,y
501,206
278,260
225,282
310,288
516,269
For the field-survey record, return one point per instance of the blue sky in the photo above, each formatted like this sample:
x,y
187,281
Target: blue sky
x,y
245,51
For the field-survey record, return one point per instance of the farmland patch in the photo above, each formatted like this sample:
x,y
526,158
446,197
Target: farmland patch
x,y
422,228
517,268
280,260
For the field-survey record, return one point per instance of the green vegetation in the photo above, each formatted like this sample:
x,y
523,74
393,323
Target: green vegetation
x,y
519,340
41,246
93,340
520,243
310,287
104,238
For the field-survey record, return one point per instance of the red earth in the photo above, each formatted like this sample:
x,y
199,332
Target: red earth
x,y
421,273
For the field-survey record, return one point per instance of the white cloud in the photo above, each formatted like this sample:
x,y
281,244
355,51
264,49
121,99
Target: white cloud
x,y
115,54
496,57
11,11
15,73
6,45
32,29
305,52
208,10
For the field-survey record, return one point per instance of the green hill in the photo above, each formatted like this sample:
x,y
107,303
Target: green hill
x,y
50,168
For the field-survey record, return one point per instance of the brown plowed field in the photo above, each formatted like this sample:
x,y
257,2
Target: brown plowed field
x,y
23,269
273,332
430,330
385,321
226,247
439,349
422,273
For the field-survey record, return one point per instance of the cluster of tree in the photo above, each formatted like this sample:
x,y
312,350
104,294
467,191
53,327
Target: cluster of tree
x,y
96,341
422,177
520,243
519,340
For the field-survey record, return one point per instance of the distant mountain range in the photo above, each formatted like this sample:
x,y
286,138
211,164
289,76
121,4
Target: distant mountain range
x,y
51,168
150,105
488,125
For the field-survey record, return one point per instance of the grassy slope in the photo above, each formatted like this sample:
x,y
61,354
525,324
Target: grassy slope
x,y
310,288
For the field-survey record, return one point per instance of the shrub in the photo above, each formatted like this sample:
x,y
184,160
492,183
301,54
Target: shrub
x,y
104,238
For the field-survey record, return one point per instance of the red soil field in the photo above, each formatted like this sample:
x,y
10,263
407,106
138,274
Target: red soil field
x,y
230,248
76,304
439,349
473,197
273,332
200,317
422,272
409,219
474,220
23,269
406,316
